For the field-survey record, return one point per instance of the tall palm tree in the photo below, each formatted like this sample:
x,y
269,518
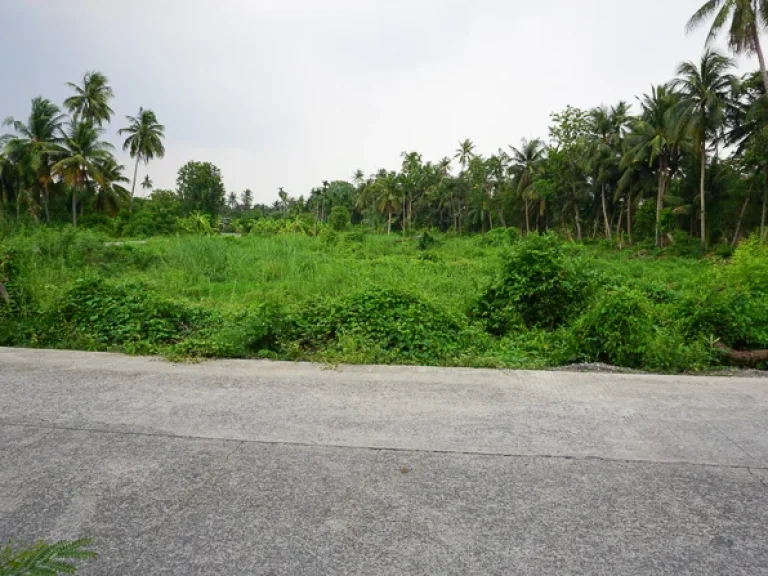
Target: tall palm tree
x,y
91,100
144,142
283,195
705,88
747,18
247,199
32,143
80,158
147,184
655,139
525,162
232,200
464,153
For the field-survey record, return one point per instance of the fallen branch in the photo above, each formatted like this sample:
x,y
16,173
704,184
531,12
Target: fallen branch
x,y
743,357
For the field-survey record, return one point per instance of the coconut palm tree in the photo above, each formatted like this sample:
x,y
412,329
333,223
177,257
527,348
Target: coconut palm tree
x,y
247,199
31,145
80,158
283,195
110,192
656,139
146,184
525,162
232,200
91,100
144,142
705,88
747,17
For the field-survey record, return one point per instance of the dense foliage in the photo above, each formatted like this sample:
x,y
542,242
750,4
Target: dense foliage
x,y
494,300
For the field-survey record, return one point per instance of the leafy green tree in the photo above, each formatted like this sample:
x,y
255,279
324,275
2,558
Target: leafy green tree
x,y
232,201
283,195
201,188
80,158
705,89
568,134
144,141
91,100
32,144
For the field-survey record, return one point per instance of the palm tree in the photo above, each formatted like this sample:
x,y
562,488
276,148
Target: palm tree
x,y
144,142
110,193
525,164
91,100
747,18
80,158
247,199
464,153
232,200
358,178
283,200
705,89
146,184
32,144
655,139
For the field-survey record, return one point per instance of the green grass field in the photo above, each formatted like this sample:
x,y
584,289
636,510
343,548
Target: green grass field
x,y
372,298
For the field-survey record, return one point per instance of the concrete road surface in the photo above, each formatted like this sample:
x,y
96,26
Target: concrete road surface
x,y
243,467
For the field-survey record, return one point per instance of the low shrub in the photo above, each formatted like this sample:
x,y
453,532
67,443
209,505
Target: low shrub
x,y
538,286
339,218
500,237
401,326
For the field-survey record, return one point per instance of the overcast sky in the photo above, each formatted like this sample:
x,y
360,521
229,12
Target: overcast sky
x,y
293,92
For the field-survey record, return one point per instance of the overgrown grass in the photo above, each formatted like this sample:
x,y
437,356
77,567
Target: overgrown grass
x,y
491,300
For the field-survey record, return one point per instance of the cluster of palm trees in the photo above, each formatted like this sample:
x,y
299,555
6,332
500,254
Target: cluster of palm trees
x,y
697,148
53,154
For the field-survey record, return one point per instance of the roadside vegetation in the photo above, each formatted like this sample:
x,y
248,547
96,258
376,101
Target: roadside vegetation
x,y
634,235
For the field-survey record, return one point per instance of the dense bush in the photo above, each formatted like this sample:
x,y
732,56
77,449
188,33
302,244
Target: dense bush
x,y
499,237
538,286
389,324
339,218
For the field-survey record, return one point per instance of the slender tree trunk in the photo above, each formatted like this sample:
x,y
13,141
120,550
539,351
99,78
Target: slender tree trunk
x,y
765,211
660,202
490,218
618,228
741,217
527,223
760,57
389,222
605,214
46,197
133,185
703,196
74,207
501,218
629,215
578,221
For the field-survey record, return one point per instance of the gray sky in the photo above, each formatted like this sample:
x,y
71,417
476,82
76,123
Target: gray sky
x,y
292,92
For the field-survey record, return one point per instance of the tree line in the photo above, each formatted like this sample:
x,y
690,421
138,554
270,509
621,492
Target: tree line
x,y
690,155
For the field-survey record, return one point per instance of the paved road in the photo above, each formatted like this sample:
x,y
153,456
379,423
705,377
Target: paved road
x,y
244,467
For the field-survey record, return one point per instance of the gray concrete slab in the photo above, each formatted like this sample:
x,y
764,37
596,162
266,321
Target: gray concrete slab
x,y
244,467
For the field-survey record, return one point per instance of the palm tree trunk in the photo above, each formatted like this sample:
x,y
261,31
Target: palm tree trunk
x,y
133,185
45,202
660,202
618,228
578,220
741,217
701,193
765,210
501,218
605,214
527,223
629,213
760,57
74,207
389,222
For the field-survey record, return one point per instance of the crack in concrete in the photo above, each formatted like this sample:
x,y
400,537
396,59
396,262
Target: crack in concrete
x,y
449,452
